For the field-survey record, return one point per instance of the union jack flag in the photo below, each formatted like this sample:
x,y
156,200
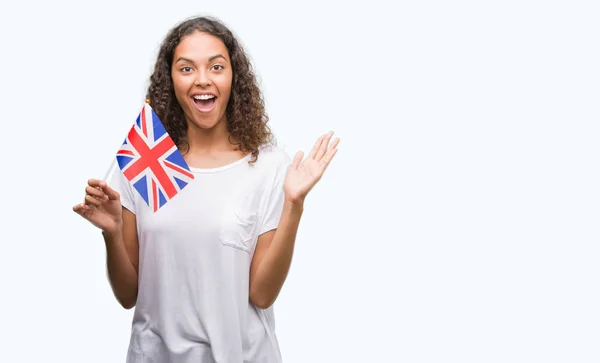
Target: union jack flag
x,y
151,162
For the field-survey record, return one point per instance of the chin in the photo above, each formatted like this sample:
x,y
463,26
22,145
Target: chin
x,y
206,122
203,124
206,126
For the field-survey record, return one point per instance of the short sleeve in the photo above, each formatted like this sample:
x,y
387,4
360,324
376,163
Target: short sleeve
x,y
275,197
119,183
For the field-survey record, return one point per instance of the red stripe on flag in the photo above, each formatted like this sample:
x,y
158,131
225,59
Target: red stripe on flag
x,y
144,127
178,169
154,195
125,152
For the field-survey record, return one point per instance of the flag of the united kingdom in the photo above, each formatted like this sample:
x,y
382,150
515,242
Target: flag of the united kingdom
x,y
151,162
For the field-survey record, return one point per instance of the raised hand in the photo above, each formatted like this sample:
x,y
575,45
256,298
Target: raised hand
x,y
102,206
303,175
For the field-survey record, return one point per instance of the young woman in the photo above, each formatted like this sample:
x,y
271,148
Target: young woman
x,y
204,271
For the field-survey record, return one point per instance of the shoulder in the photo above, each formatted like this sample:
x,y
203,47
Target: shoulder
x,y
273,156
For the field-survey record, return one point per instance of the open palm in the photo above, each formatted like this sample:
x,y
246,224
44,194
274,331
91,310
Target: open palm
x,y
303,175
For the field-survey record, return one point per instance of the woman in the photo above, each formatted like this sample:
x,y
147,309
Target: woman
x,y
204,271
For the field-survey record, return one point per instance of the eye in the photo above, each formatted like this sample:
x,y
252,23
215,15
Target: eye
x,y
186,69
218,67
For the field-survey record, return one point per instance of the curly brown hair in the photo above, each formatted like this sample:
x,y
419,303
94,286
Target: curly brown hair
x,y
246,115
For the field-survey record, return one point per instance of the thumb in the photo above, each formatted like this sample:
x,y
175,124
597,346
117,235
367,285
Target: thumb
x,y
297,160
81,209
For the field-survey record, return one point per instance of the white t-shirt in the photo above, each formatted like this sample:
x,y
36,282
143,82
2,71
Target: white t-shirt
x,y
194,265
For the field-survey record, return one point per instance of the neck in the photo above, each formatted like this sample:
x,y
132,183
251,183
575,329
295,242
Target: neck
x,y
215,139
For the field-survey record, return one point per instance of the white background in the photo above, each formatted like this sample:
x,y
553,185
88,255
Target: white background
x,y
458,222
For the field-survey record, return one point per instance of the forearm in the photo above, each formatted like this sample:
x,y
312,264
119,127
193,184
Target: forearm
x,y
274,266
121,272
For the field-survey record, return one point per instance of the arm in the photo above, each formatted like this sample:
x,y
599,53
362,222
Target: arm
x,y
273,257
274,249
102,207
122,260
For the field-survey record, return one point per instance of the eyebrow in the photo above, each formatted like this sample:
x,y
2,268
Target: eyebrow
x,y
215,57
184,59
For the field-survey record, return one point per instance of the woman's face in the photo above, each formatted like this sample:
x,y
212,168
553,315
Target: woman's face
x,y
202,76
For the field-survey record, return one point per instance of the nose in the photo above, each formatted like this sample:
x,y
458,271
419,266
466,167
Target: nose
x,y
203,80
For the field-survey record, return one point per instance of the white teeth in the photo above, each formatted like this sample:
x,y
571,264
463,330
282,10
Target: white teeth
x,y
204,97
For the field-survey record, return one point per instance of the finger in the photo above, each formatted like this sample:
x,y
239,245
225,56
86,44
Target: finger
x,y
111,193
90,200
95,192
80,208
315,148
323,147
327,159
94,183
335,143
297,160
331,152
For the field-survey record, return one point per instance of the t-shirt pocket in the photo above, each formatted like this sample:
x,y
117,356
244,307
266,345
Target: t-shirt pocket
x,y
238,228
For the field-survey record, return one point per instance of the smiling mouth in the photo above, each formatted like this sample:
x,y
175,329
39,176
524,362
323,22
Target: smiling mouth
x,y
204,103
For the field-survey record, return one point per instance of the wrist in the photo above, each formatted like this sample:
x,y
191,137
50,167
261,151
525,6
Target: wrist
x,y
114,232
293,205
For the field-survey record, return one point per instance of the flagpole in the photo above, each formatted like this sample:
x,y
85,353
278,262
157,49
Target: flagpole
x,y
108,174
110,170
112,167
